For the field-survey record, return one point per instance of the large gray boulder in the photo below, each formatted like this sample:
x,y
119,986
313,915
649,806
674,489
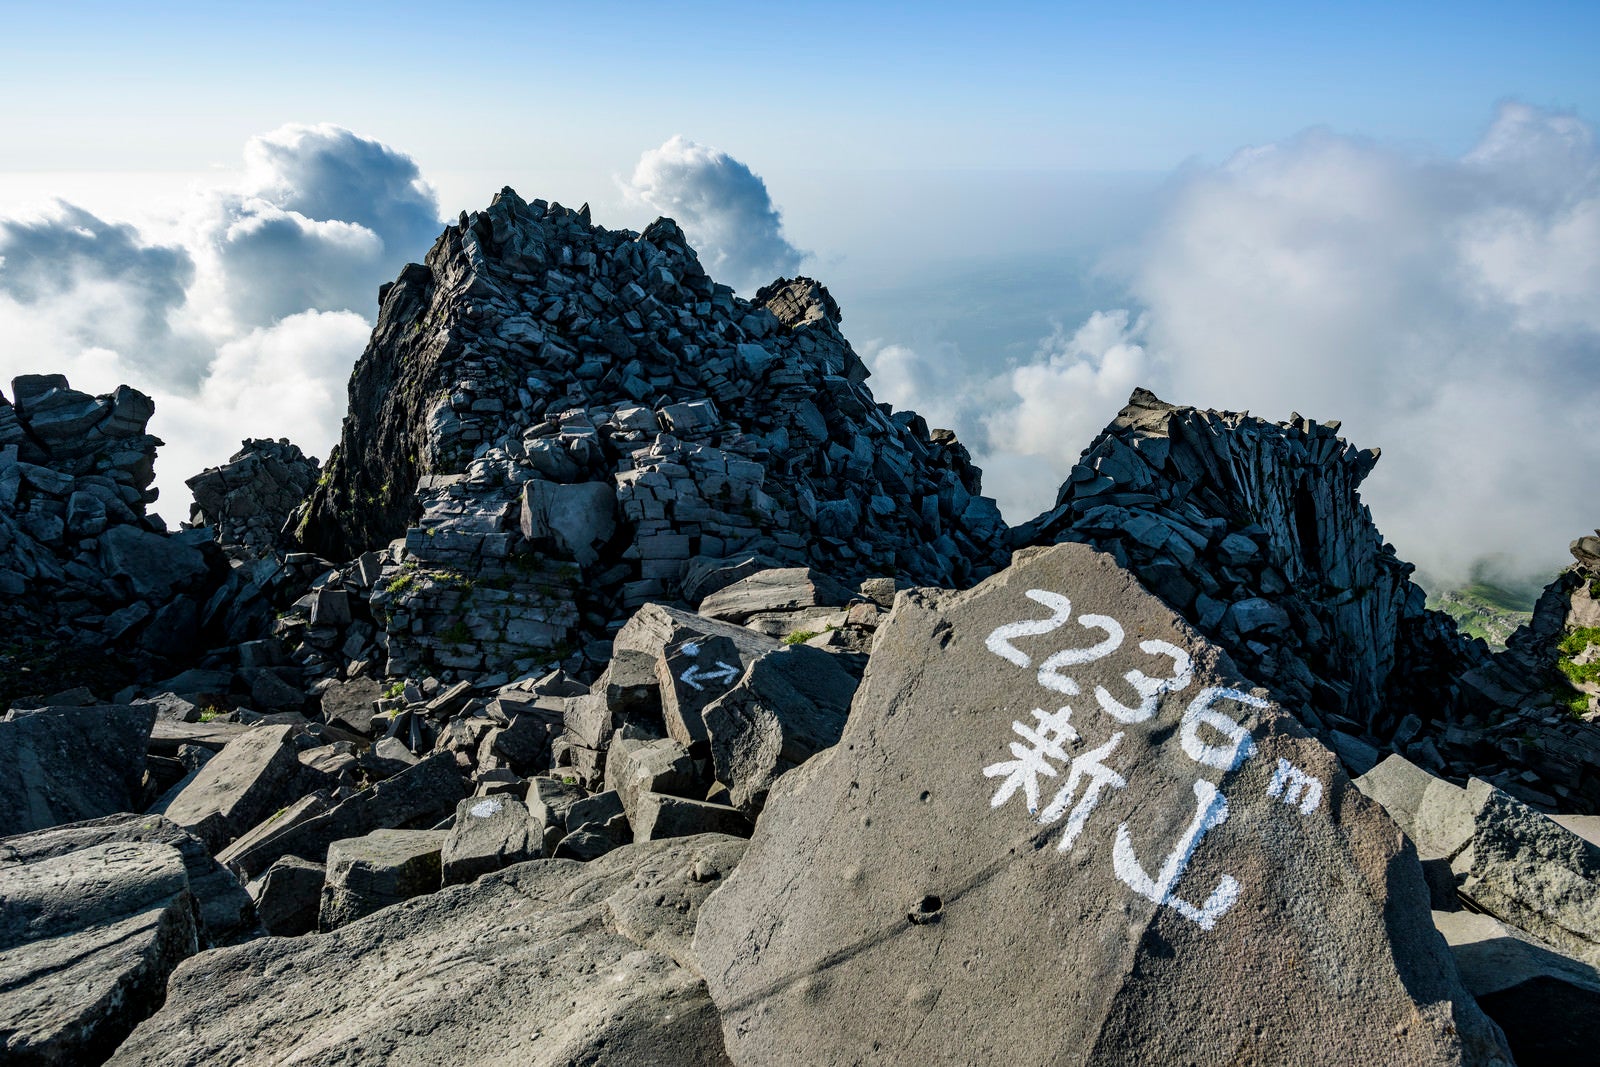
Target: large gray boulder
x,y
788,706
152,565
87,940
550,962
225,914
385,867
1064,830
778,589
251,778
1548,1004
61,765
415,798
1503,857
490,833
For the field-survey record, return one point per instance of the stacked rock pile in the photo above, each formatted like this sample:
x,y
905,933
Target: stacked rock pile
x,y
247,500
579,419
82,567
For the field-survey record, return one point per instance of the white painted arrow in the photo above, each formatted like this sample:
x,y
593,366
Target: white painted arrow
x,y
691,676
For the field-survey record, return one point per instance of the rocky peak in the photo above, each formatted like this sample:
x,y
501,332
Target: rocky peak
x,y
247,500
582,416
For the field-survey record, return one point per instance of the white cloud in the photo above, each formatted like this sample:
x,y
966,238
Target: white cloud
x,y
1446,310
723,208
251,325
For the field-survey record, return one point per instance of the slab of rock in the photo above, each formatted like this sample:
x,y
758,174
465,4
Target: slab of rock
x,y
787,707
550,800
152,565
1062,829
375,871
226,914
61,765
248,780
352,704
1548,1004
779,589
87,940
579,519
289,896
416,797
657,815
490,833
545,963
639,764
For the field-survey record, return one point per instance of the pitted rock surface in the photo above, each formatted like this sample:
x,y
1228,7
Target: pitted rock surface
x,y
1218,868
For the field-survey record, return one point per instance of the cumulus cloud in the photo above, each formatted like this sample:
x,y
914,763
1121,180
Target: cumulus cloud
x,y
322,219
1447,310
85,283
251,325
723,207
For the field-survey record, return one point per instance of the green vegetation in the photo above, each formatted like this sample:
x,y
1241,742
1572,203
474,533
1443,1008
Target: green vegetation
x,y
395,689
800,637
211,714
403,582
456,633
1571,647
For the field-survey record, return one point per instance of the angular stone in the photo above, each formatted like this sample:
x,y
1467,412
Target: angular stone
x,y
1547,1004
579,518
594,959
635,765
290,897
375,871
490,833
226,914
549,801
660,816
788,707
1525,869
1438,816
244,783
1050,858
782,589
87,940
416,797
152,565
62,765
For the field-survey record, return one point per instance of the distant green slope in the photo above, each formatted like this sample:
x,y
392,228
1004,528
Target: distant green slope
x,y
1484,609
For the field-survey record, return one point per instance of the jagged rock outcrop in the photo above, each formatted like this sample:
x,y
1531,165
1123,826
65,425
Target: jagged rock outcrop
x,y
561,420
246,501
82,569
1254,531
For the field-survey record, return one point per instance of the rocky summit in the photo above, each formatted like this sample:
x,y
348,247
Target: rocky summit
x,y
631,687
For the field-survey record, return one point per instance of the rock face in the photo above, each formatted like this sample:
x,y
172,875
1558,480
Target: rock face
x,y
550,962
1058,820
1254,532
558,422
87,940
61,765
246,501
78,556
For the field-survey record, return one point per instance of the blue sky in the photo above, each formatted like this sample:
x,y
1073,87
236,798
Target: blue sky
x,y
1383,213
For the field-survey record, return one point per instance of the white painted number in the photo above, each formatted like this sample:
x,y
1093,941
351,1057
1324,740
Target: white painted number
x,y
1050,675
999,642
1239,747
1150,690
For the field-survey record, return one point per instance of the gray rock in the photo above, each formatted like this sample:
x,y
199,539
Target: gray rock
x,y
656,815
1547,1004
545,963
1050,858
152,565
61,765
248,780
382,868
783,589
550,801
1439,817
490,833
787,707
289,896
579,519
226,914
87,940
635,765
416,797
